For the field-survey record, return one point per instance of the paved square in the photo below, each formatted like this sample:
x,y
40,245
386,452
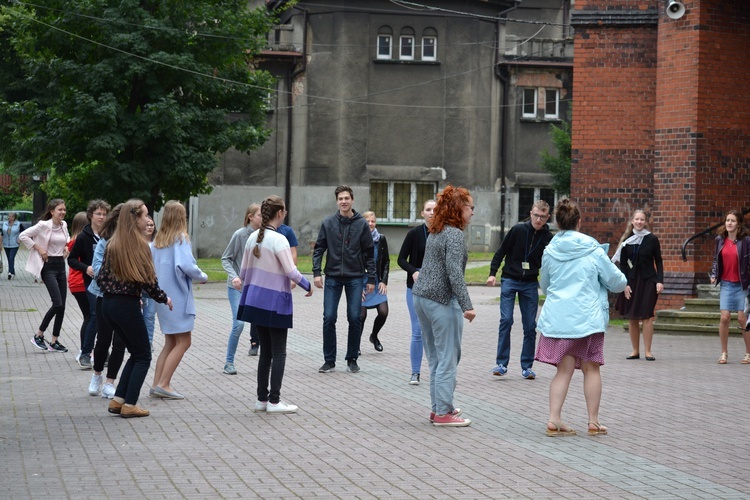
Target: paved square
x,y
678,426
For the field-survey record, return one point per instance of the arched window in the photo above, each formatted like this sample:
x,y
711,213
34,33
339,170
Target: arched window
x,y
385,43
406,44
429,45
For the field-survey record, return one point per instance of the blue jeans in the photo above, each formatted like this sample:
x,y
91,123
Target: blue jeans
x,y
11,254
528,301
442,328
331,297
149,315
415,350
237,325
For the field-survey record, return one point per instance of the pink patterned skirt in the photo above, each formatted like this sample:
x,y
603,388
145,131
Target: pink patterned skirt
x,y
589,348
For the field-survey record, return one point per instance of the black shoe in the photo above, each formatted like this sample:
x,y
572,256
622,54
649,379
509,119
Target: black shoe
x,y
57,347
352,366
376,343
84,361
39,343
327,367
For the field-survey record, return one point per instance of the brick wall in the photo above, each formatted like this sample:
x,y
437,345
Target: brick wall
x,y
661,121
614,86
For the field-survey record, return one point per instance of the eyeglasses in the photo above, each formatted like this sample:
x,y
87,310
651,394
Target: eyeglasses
x,y
539,217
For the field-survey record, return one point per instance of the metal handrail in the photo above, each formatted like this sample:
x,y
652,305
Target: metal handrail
x,y
704,233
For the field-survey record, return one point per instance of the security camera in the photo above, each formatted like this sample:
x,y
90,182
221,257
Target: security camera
x,y
675,9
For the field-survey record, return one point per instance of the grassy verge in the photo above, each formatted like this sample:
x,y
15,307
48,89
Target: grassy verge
x,y
215,272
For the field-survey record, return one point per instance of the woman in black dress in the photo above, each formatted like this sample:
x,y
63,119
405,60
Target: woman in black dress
x,y
639,257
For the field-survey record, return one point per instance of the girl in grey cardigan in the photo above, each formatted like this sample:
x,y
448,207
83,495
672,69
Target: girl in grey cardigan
x,y
442,301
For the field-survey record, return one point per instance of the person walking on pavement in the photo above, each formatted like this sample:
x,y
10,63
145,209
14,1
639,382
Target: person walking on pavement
x,y
9,241
442,301
410,260
48,240
346,238
266,270
127,270
731,269
231,260
522,251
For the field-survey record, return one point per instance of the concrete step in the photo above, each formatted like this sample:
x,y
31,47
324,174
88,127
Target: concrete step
x,y
672,316
708,291
701,305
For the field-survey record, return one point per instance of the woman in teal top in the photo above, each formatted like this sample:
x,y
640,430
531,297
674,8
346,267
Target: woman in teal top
x,y
575,276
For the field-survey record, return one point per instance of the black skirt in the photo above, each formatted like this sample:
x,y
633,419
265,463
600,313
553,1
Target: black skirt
x,y
642,300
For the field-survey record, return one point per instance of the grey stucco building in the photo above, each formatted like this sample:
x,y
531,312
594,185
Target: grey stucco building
x,y
397,99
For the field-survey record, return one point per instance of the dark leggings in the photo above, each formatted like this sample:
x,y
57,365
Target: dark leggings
x,y
271,360
379,320
56,281
83,305
123,312
104,337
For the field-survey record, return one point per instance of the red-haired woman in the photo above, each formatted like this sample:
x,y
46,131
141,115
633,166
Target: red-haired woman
x,y
442,301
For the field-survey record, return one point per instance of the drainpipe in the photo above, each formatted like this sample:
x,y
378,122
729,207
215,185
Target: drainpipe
x,y
290,76
504,77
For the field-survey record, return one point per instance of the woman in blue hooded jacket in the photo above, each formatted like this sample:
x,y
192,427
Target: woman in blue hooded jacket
x,y
576,274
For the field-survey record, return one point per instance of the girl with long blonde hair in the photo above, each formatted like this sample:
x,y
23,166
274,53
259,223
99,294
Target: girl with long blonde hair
x,y
176,270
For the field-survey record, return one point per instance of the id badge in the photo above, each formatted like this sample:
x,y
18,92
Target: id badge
x,y
525,265
630,264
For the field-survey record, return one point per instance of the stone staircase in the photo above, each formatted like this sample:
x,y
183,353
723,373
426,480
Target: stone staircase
x,y
700,316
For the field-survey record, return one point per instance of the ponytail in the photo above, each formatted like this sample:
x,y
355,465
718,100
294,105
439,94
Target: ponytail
x,y
268,210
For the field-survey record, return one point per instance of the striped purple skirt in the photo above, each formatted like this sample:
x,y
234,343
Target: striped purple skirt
x,y
589,348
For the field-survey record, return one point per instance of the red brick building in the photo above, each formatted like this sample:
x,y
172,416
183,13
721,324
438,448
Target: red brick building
x,y
661,121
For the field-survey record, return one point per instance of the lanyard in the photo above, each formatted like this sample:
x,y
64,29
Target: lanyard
x,y
526,246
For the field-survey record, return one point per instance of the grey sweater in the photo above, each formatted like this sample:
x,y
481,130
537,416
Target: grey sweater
x,y
232,257
442,275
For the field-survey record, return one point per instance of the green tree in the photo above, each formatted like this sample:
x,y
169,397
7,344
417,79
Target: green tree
x,y
135,98
559,165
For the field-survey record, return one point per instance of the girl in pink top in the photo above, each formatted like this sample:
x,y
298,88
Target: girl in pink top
x,y
48,240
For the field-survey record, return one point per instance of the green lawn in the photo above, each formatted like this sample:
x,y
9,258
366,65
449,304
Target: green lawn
x,y
215,272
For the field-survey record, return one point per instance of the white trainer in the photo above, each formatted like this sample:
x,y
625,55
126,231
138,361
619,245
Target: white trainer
x,y
108,391
95,387
260,406
281,407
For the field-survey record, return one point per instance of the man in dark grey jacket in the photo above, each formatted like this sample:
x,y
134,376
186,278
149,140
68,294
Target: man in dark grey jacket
x,y
346,237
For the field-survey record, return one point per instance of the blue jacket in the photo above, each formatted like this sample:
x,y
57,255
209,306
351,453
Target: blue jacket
x,y
576,274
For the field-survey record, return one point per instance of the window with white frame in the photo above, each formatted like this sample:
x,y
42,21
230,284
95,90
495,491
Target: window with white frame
x,y
406,52
385,46
528,195
529,103
400,201
551,103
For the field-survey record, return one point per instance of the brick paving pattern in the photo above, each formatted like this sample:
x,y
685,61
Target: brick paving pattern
x,y
677,425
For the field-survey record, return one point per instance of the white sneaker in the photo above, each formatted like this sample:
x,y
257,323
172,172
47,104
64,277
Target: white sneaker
x,y
108,391
281,407
260,406
95,387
